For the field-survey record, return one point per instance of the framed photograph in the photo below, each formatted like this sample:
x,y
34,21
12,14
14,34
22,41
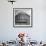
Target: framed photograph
x,y
22,17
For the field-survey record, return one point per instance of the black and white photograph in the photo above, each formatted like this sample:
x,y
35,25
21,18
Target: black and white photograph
x,y
22,17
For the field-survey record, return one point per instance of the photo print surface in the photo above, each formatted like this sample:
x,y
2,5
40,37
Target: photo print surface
x,y
22,17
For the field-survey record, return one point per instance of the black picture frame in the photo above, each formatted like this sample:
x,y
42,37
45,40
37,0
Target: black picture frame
x,y
31,17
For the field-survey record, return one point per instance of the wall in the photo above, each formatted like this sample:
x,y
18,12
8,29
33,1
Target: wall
x,y
37,32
